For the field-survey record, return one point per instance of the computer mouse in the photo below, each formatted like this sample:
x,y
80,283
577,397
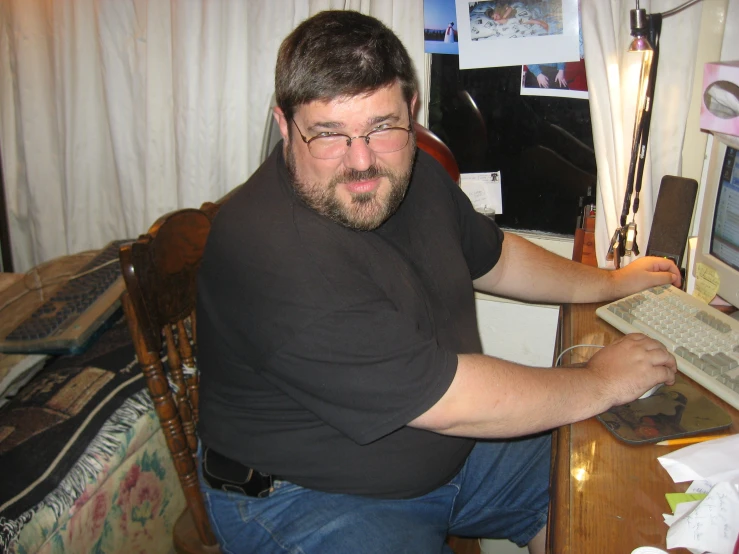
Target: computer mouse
x,y
651,391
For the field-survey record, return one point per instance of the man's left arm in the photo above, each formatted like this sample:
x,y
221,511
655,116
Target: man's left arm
x,y
528,272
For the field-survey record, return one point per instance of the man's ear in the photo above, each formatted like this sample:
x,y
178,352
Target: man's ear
x,y
414,101
282,121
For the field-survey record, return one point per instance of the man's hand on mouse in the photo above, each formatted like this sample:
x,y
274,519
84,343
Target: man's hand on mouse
x,y
630,366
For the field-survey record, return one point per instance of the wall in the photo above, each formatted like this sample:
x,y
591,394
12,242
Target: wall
x,y
517,331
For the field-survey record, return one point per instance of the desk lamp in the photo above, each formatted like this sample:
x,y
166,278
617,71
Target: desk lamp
x,y
646,29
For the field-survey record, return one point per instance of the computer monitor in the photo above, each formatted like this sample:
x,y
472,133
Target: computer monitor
x,y
718,236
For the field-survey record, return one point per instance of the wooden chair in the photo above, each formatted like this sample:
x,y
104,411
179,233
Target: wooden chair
x,y
159,270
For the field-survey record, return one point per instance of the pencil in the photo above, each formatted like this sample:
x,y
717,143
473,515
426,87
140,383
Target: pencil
x,y
691,440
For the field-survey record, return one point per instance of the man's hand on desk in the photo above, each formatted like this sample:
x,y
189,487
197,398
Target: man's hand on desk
x,y
631,366
643,273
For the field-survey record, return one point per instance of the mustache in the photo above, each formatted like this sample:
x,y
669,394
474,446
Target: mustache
x,y
353,175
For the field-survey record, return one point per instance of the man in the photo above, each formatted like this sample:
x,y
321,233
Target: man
x,y
343,391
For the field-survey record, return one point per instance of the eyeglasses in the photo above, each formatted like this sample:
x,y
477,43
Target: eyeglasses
x,y
326,146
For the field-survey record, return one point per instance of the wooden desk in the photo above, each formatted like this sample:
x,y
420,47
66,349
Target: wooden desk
x,y
607,496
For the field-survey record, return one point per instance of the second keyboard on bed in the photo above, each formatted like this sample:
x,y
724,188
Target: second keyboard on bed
x,y
704,340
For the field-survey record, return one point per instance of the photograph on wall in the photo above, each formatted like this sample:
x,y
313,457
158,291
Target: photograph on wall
x,y
440,33
501,33
561,79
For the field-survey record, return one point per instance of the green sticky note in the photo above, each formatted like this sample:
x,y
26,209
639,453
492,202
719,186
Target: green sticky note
x,y
675,498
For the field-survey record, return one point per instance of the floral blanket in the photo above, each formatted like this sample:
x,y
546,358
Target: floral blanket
x,y
90,469
131,506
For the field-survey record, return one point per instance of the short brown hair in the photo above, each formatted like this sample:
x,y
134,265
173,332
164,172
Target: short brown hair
x,y
340,53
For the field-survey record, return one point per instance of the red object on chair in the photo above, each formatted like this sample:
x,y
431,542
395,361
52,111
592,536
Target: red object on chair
x,y
430,143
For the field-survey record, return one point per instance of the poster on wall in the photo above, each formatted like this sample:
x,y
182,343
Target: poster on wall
x,y
440,32
500,33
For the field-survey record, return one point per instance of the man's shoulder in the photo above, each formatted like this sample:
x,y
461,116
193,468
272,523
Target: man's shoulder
x,y
260,186
269,226
431,181
428,167
258,207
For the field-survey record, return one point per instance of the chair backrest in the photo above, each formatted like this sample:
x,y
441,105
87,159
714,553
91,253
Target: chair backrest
x,y
160,270
271,134
430,143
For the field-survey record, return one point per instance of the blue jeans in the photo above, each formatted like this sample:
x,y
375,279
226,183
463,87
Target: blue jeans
x,y
500,492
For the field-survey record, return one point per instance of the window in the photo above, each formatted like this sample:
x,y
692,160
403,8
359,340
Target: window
x,y
543,146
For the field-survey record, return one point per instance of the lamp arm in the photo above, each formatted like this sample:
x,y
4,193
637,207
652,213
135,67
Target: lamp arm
x,y
680,8
633,162
627,232
642,123
655,30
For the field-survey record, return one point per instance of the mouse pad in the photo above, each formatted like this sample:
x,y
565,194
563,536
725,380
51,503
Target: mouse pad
x,y
671,412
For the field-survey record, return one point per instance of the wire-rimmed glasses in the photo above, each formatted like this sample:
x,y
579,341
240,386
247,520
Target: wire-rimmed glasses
x,y
329,145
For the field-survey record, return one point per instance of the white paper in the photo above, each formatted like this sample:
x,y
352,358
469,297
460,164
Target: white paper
x,y
492,46
704,486
711,526
483,190
703,460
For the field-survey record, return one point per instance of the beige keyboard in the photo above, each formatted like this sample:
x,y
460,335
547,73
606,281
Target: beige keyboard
x,y
704,340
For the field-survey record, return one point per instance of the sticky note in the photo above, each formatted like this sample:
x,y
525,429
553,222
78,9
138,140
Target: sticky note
x,y
706,283
675,498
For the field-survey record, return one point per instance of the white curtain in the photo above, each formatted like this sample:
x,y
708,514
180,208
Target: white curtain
x,y
613,75
114,112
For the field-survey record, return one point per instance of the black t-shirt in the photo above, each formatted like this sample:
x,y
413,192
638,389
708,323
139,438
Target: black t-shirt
x,y
317,344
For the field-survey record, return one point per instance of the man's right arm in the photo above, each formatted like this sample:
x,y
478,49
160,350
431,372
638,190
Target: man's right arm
x,y
492,398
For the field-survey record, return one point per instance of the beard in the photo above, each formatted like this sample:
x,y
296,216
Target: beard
x,y
366,211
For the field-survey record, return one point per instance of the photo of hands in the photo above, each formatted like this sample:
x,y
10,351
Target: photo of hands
x,y
564,79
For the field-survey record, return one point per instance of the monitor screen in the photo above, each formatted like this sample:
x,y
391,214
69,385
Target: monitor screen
x,y
717,250
725,233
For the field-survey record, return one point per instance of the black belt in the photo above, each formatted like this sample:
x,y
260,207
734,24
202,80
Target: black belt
x,y
224,474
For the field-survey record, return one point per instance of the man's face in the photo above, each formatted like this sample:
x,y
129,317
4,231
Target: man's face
x,y
361,189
